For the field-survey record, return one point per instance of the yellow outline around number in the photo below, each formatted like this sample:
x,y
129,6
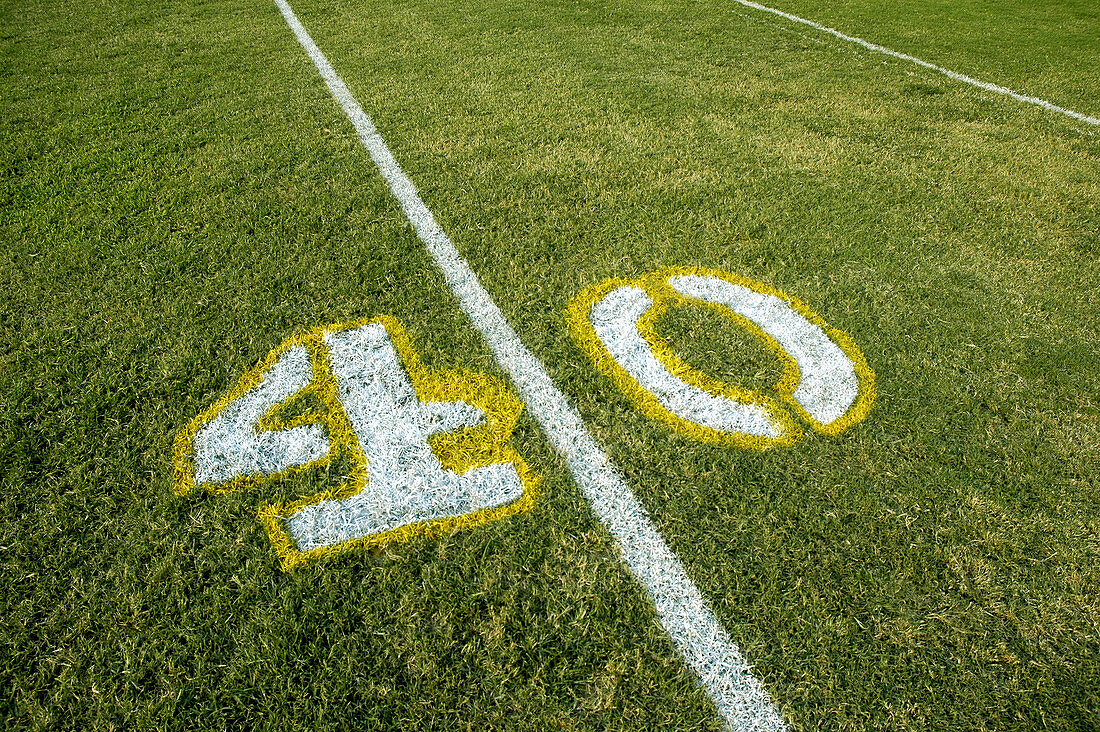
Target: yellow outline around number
x,y
655,284
459,451
323,385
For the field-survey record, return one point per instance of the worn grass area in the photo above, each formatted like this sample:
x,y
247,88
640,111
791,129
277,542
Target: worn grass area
x,y
179,194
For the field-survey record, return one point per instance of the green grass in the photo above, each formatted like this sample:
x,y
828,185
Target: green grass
x,y
1045,49
180,193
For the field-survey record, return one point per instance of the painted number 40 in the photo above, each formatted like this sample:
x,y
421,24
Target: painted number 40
x,y
428,451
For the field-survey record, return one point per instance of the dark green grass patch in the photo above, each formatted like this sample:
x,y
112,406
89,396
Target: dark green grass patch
x,y
179,194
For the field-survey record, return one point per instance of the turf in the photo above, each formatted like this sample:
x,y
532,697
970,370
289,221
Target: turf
x,y
180,194
1048,50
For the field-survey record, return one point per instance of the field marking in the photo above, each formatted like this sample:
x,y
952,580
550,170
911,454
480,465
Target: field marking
x,y
413,473
741,700
414,470
826,380
230,447
913,59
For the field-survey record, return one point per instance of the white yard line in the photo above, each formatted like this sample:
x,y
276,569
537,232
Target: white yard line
x,y
683,612
919,62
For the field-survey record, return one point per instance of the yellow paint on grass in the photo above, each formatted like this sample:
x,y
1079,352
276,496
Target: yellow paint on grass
x,y
458,451
664,296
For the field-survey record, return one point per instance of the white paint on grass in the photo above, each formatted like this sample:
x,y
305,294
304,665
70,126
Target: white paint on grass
x,y
683,612
933,67
406,483
230,445
828,386
615,317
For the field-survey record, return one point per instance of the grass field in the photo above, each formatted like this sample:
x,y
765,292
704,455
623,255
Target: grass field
x,y
180,193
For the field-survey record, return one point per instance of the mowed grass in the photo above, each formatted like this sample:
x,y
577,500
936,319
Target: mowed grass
x,y
1044,49
180,194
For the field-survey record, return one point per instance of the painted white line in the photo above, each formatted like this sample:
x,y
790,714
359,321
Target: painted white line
x,y
683,612
912,59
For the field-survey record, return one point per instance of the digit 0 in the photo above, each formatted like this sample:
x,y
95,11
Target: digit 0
x,y
826,381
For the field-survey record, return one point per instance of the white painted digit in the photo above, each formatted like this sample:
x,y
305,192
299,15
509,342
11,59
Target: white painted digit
x,y
426,450
826,380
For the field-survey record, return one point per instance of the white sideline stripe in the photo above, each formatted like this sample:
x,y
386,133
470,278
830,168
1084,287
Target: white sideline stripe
x,y
913,59
741,700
